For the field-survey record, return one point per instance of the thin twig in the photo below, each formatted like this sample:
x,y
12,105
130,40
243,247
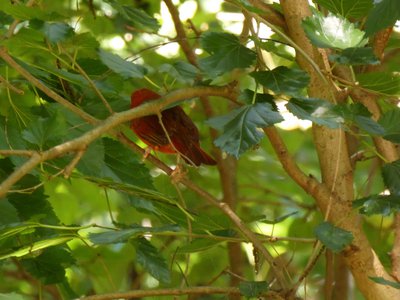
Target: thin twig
x,y
90,81
71,166
10,86
28,153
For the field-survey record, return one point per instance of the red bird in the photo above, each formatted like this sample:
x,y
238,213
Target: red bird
x,y
180,128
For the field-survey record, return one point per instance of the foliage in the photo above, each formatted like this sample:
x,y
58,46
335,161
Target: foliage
x,y
100,218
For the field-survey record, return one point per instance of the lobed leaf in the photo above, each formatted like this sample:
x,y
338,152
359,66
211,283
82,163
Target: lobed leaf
x,y
283,80
332,31
390,121
355,56
384,14
227,53
149,257
391,177
334,238
120,66
315,110
378,204
347,8
383,83
241,127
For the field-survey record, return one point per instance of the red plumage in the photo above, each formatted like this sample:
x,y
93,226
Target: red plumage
x,y
181,130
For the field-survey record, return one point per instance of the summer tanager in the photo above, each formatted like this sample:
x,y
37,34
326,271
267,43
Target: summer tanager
x,y
180,128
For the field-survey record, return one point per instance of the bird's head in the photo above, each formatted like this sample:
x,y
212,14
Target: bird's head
x,y
143,95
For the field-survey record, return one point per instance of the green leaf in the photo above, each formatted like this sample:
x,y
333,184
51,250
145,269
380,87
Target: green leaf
x,y
390,121
283,80
57,32
248,6
384,281
34,206
347,8
378,204
332,31
92,161
12,296
21,11
316,110
383,83
136,17
49,266
248,96
241,127
359,115
36,246
253,288
198,245
14,229
149,257
125,165
334,238
279,49
278,219
182,71
122,236
384,14
45,131
120,66
355,56
226,53
391,176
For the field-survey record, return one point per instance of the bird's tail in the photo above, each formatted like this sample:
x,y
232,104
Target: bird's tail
x,y
197,156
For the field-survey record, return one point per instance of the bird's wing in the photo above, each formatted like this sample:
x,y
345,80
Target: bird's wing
x,y
150,131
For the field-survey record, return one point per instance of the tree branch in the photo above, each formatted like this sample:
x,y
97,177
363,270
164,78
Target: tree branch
x,y
108,125
198,290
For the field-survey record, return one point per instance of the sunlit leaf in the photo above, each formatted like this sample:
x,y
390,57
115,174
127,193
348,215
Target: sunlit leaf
x,y
283,80
39,245
315,110
332,31
241,127
334,238
12,296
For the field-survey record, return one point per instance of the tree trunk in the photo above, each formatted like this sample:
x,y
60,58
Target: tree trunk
x,y
336,169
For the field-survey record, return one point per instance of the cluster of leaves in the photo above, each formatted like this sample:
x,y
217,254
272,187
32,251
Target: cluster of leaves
x,y
72,63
